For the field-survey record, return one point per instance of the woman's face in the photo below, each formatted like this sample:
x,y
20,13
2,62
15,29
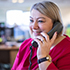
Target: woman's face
x,y
39,23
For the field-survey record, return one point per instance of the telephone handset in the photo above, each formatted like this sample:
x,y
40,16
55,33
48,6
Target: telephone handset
x,y
57,27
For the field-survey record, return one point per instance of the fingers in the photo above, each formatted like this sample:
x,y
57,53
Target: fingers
x,y
41,38
45,36
38,41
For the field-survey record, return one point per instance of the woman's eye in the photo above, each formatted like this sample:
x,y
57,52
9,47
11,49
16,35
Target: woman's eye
x,y
40,21
31,20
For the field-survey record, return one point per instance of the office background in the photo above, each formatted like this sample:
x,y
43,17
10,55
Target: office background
x,y
14,21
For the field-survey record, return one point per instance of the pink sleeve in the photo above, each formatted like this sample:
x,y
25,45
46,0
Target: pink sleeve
x,y
52,66
15,62
24,46
63,63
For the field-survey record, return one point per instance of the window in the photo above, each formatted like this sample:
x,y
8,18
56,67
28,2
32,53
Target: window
x,y
17,17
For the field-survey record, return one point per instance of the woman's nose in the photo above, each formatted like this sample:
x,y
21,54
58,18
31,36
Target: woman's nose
x,y
35,25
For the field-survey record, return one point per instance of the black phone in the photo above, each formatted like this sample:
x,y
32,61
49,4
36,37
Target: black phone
x,y
56,27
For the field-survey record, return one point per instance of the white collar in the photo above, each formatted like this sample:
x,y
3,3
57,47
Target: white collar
x,y
52,47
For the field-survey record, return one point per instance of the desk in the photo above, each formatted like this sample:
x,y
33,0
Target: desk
x,y
8,54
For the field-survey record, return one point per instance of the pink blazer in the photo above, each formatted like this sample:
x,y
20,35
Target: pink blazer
x,y
60,56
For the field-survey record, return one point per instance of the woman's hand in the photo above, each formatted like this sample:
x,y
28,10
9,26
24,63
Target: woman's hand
x,y
44,44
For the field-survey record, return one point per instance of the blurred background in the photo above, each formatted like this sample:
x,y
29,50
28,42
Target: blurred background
x,y
14,21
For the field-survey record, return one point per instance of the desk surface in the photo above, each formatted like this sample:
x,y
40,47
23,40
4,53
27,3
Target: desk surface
x,y
4,47
8,54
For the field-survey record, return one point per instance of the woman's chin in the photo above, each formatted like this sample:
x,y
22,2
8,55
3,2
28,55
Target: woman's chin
x,y
35,36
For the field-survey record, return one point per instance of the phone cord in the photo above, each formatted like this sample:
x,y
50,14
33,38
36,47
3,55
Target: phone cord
x,y
30,58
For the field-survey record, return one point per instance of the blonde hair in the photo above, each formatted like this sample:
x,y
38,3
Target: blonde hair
x,y
49,9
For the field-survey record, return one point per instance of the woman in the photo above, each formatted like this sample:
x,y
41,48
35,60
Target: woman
x,y
51,53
